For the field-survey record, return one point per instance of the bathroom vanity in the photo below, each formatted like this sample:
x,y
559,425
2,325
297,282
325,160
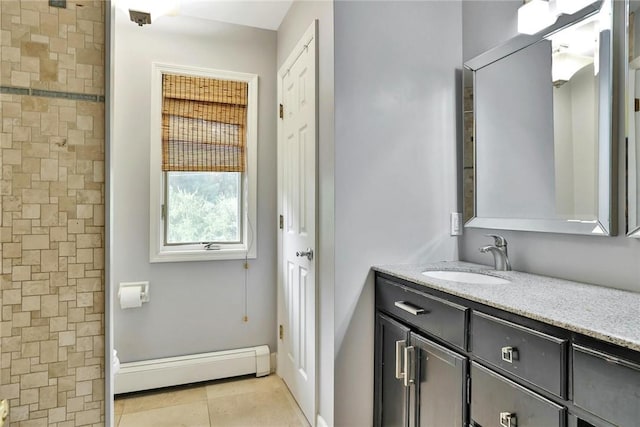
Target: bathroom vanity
x,y
518,351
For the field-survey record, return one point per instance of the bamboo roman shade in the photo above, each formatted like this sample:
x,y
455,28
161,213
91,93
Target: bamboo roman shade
x,y
204,123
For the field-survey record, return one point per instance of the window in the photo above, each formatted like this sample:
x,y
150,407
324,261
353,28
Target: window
x,y
203,164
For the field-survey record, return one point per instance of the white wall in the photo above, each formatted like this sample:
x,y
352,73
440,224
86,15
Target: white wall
x,y
297,20
608,261
396,105
195,306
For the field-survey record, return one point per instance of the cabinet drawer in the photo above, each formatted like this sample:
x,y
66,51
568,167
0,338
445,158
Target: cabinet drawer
x,y
530,355
438,317
606,386
496,401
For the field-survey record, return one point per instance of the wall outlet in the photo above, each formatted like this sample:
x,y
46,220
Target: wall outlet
x,y
456,221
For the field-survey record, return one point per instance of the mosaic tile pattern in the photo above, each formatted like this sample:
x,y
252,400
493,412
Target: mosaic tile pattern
x,y
54,49
468,162
52,223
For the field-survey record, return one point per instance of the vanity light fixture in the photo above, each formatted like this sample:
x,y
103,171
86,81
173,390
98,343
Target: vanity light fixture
x,y
535,16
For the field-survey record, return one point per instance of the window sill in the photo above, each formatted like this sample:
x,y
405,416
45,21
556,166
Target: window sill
x,y
201,255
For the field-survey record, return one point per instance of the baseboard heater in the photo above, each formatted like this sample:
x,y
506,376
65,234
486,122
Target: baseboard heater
x,y
172,371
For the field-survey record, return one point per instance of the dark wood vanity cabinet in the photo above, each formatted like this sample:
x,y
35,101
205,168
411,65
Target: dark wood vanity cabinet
x,y
534,357
497,401
418,382
606,386
443,362
437,317
391,337
438,388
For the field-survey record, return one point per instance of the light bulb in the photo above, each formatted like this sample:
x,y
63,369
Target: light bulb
x,y
535,16
568,7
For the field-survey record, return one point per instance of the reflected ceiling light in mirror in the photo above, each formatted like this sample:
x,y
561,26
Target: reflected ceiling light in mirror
x,y
565,65
574,48
535,16
568,7
155,8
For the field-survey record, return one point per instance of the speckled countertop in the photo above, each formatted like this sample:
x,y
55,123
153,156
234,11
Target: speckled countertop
x,y
607,314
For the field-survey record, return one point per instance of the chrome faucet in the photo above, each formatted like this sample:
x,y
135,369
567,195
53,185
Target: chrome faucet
x,y
499,251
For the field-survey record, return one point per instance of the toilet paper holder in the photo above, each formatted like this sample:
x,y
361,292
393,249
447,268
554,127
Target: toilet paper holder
x,y
144,289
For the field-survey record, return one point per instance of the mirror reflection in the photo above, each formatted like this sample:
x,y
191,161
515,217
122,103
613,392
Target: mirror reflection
x,y
633,123
536,144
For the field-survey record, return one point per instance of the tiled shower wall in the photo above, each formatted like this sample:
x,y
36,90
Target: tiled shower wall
x,y
52,223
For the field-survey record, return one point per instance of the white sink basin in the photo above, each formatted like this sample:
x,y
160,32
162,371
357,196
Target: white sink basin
x,y
466,277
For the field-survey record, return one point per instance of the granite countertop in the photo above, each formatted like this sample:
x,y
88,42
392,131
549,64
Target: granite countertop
x,y
607,314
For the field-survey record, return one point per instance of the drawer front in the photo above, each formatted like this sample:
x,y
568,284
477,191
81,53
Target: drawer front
x,y
530,355
606,386
438,317
497,401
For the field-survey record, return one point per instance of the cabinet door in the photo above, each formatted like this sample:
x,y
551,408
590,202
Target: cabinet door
x,y
391,396
438,393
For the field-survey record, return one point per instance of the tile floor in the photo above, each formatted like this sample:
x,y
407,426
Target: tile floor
x,y
245,401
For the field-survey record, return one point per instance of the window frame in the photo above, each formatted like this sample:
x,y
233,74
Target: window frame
x,y
158,251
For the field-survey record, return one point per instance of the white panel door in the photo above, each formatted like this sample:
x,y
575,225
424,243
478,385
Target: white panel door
x,y
297,173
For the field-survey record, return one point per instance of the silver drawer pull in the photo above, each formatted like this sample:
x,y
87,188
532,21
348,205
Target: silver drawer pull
x,y
409,308
509,354
508,419
400,345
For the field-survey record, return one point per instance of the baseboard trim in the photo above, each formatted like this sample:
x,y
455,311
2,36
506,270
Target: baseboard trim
x,y
172,371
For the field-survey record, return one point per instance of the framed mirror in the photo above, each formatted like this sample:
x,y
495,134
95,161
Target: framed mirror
x,y
538,129
633,118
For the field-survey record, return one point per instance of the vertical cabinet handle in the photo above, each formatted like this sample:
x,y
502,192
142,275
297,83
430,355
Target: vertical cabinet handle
x,y
508,419
408,365
509,354
400,345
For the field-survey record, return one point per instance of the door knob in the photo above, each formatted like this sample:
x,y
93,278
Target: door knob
x,y
308,253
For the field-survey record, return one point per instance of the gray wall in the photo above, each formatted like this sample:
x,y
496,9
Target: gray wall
x,y
608,261
575,124
195,306
395,165
514,140
295,23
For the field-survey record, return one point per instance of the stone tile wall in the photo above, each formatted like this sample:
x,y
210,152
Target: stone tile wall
x,y
468,159
52,222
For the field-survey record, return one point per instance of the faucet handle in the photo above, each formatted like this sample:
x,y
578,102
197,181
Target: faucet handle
x,y
499,240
